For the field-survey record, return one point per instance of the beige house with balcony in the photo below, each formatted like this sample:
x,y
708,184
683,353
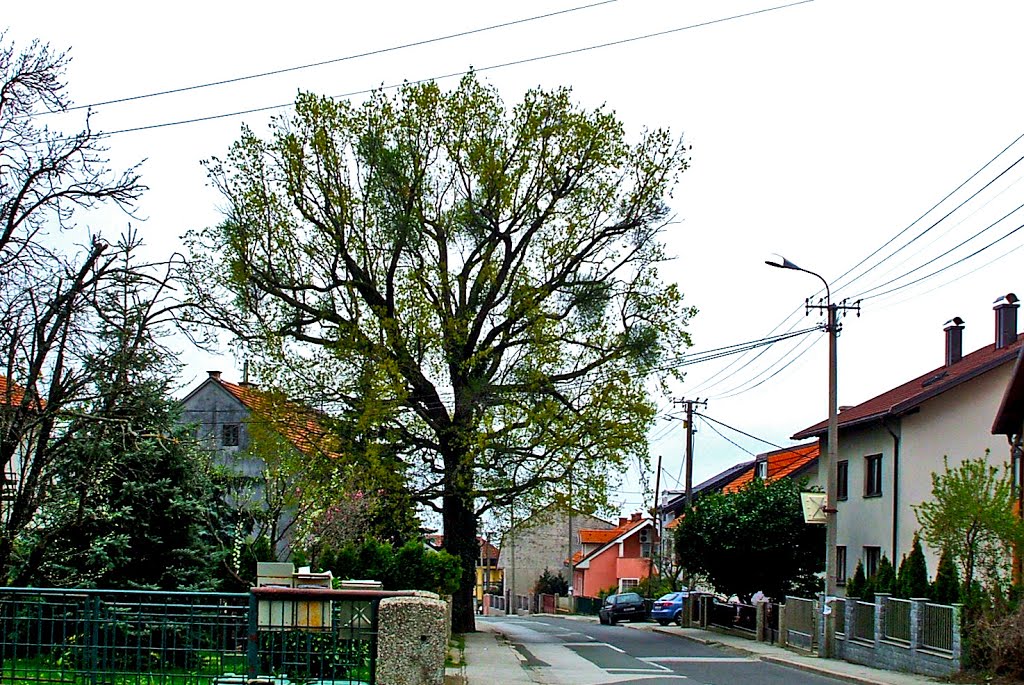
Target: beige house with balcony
x,y
890,445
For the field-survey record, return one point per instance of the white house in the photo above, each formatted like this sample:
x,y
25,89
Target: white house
x,y
890,445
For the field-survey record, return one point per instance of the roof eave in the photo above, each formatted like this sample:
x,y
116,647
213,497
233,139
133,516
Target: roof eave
x,y
1010,415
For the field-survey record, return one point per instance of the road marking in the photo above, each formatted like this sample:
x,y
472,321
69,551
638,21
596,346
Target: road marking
x,y
593,644
698,659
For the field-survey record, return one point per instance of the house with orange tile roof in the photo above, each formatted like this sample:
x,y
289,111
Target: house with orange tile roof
x,y
618,557
489,575
12,396
799,462
544,541
890,445
230,418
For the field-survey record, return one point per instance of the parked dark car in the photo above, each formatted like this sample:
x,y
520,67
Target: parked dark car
x,y
668,608
627,605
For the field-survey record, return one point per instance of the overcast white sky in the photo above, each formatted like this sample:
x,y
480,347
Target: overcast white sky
x,y
820,131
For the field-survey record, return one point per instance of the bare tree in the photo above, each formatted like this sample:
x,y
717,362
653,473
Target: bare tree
x,y
51,271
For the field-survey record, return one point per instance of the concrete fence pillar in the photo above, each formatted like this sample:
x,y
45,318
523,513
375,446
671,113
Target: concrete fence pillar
x,y
880,598
783,634
760,622
958,612
687,614
411,641
849,621
917,612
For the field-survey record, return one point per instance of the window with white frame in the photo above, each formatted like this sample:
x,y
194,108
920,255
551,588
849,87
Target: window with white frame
x,y
627,584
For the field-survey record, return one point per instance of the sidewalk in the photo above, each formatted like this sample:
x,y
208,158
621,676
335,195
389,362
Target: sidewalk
x,y
490,660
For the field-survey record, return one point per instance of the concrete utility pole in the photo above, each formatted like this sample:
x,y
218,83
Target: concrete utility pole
x,y
689,460
827,646
689,444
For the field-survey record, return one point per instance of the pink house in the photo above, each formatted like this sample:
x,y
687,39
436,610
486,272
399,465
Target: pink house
x,y
618,558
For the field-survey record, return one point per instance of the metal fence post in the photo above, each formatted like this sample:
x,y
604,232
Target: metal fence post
x,y
94,638
252,651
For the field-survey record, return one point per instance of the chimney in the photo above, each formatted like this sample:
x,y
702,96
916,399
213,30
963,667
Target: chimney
x,y
215,375
623,521
954,340
1006,320
636,517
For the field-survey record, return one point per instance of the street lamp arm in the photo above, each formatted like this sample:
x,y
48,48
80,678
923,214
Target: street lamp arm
x,y
780,262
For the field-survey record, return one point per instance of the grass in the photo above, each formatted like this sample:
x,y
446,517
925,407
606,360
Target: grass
x,y
456,656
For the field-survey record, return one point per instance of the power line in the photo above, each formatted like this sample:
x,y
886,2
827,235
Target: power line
x,y
336,60
492,67
733,428
732,442
926,213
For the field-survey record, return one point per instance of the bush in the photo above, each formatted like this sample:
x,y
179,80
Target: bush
x,y
411,567
912,580
550,584
995,643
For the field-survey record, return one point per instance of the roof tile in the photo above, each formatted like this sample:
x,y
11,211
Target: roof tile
x,y
912,393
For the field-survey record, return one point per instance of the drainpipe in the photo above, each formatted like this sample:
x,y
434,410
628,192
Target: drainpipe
x,y
895,492
1017,466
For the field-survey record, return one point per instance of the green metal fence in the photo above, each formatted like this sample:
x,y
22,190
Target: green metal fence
x,y
281,636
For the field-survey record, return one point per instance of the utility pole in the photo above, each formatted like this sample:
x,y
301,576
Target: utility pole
x,y
689,444
827,646
572,562
689,461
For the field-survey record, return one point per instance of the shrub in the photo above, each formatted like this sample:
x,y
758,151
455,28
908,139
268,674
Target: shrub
x,y
912,579
550,584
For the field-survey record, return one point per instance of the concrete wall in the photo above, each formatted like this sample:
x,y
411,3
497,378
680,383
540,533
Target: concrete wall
x,y
539,542
412,640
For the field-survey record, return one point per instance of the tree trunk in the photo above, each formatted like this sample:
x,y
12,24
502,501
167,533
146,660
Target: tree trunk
x,y
460,541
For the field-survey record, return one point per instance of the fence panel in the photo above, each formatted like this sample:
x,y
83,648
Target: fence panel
x,y
839,613
732,615
896,620
863,627
801,620
937,627
588,606
84,636
123,637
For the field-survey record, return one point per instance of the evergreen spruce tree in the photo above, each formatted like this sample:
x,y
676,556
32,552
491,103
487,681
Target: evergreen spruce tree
x,y
946,589
134,504
885,577
912,580
855,585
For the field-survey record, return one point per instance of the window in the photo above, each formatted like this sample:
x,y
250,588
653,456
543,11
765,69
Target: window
x,y
627,584
645,550
842,479
761,470
873,475
840,562
229,435
872,555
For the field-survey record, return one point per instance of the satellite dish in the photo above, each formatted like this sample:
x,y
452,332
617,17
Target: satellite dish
x,y
814,506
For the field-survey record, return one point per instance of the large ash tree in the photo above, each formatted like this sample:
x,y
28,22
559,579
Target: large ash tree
x,y
470,287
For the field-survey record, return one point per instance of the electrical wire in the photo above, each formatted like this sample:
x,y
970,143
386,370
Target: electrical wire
x,y
729,440
837,281
442,77
737,430
336,60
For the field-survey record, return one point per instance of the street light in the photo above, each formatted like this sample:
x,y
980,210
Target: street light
x,y
828,644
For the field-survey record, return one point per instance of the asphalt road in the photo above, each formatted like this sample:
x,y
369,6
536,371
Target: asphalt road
x,y
563,651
